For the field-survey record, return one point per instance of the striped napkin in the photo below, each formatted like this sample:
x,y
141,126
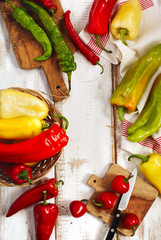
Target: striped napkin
x,y
148,36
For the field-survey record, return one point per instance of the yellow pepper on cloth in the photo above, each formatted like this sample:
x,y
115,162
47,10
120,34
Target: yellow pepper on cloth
x,y
150,167
14,104
20,128
126,22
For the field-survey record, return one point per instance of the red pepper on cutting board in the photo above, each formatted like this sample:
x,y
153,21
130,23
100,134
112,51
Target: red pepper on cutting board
x,y
131,221
99,17
50,5
120,184
78,43
34,195
106,200
43,146
45,216
19,173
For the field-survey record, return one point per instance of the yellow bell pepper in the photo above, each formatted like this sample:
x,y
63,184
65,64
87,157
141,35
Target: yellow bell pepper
x,y
126,22
20,128
14,104
150,167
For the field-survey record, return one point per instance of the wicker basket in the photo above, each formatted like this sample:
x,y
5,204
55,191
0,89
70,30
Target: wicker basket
x,y
43,167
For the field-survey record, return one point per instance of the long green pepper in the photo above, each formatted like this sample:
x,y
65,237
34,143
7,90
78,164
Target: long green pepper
x,y
26,21
64,54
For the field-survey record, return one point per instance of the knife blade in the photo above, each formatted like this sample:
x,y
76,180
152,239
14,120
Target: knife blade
x,y
122,205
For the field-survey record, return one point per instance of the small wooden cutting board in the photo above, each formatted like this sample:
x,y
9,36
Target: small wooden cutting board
x,y
26,48
142,197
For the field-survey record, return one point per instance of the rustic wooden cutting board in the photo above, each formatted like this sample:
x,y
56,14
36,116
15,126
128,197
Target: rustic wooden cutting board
x,y
26,48
142,197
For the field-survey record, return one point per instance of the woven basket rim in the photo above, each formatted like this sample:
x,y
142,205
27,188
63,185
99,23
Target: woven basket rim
x,y
43,167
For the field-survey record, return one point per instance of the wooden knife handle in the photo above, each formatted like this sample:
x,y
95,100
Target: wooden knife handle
x,y
55,80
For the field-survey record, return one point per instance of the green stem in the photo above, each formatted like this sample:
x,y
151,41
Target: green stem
x,y
24,176
120,113
45,126
142,157
126,180
99,44
97,63
100,204
69,74
123,32
45,193
52,11
84,200
11,4
134,229
57,183
65,119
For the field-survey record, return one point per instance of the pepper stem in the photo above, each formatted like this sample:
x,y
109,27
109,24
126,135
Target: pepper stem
x,y
64,118
97,63
84,201
45,126
52,11
45,193
24,176
142,157
123,32
57,183
134,229
100,204
99,44
69,74
126,180
120,113
11,4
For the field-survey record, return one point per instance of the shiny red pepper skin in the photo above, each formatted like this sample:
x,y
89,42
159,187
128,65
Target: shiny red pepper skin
x,y
17,171
106,200
120,184
45,217
38,148
49,5
130,221
77,208
34,195
99,16
78,43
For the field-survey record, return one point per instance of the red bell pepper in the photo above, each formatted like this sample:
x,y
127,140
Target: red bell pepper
x,y
34,195
45,216
19,173
38,148
99,17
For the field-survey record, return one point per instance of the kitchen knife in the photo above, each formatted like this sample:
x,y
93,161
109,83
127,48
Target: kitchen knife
x,y
122,206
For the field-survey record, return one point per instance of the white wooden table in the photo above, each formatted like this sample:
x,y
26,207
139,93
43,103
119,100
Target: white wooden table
x,y
94,133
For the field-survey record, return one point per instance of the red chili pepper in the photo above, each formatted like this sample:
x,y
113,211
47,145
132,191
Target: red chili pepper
x,y
34,195
120,184
106,200
45,216
78,208
38,148
19,173
78,43
51,7
131,221
99,17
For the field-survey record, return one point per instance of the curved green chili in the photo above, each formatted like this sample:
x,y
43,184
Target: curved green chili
x,y
26,21
64,54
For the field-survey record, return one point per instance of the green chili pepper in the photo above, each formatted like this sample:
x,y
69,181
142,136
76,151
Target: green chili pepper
x,y
149,120
64,54
127,95
25,20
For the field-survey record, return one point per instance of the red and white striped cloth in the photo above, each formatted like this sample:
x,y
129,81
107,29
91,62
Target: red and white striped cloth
x,y
148,36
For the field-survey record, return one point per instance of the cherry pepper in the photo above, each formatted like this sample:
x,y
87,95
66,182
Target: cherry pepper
x,y
45,216
150,167
78,208
19,173
131,221
34,195
120,184
99,17
106,200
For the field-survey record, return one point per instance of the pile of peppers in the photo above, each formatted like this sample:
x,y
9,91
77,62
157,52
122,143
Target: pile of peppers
x,y
22,119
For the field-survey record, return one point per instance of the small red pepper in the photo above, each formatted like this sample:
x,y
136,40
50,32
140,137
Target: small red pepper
x,y
78,43
34,195
120,184
50,5
99,17
78,208
106,200
43,146
45,216
19,173
131,221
